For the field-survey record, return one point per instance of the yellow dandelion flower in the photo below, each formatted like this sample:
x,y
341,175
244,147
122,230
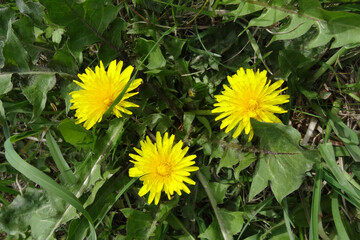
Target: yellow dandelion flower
x,y
250,95
162,167
99,90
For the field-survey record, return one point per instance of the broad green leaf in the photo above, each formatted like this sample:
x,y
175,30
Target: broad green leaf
x,y
244,8
233,221
219,191
282,162
16,57
268,17
229,159
6,14
32,9
64,61
115,35
36,91
5,83
297,27
85,22
156,58
75,134
341,25
174,46
34,209
137,223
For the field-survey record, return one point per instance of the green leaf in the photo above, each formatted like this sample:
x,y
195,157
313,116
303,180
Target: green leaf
x,y
34,209
64,61
45,181
66,173
156,58
229,159
115,34
137,223
282,162
219,190
75,134
233,221
32,9
85,22
174,46
16,57
36,92
103,202
340,25
5,83
268,17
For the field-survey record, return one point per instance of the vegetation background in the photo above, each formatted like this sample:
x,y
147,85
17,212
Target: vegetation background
x,y
299,180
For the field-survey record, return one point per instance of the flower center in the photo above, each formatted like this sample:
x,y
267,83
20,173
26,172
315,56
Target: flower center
x,y
164,169
253,105
108,102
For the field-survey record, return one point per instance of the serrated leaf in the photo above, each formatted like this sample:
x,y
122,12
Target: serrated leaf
x,y
36,91
268,17
33,209
340,25
156,58
297,27
57,35
85,22
283,163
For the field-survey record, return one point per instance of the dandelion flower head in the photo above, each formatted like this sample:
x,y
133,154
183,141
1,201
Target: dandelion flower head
x,y
99,90
250,95
162,166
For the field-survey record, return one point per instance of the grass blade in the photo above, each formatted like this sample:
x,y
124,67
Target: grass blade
x,y
315,205
287,219
45,181
60,162
337,218
209,193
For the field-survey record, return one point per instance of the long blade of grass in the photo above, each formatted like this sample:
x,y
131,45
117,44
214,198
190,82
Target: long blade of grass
x,y
100,156
226,235
337,218
261,206
315,205
60,162
287,219
327,152
45,181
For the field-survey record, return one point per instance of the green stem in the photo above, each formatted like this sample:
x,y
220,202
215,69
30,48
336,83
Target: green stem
x,y
226,235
